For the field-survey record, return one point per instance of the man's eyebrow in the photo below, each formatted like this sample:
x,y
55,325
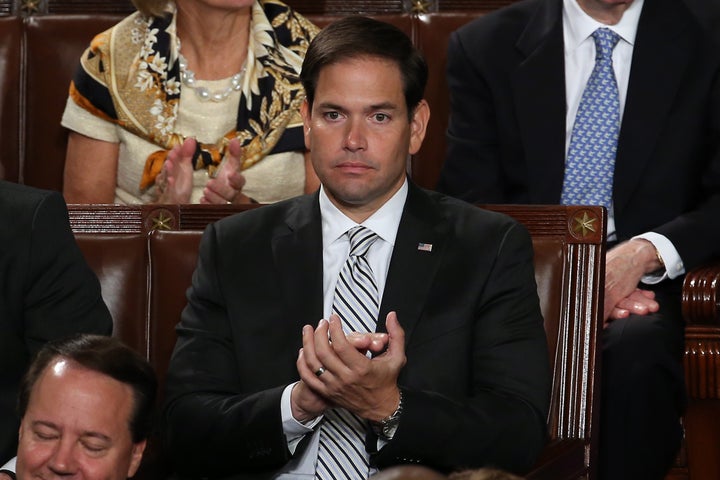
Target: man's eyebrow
x,y
45,423
377,106
384,106
330,106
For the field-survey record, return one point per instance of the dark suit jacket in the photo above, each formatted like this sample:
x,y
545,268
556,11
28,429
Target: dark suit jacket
x,y
506,136
476,383
47,291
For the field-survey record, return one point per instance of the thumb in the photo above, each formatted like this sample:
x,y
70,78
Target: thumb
x,y
187,150
234,152
396,334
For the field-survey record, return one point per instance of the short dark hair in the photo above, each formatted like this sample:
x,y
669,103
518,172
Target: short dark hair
x,y
106,355
357,36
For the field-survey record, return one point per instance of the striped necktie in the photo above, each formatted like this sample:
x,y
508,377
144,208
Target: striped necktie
x,y
341,453
593,144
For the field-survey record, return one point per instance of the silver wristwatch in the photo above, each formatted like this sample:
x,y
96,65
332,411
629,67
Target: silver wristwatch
x,y
387,427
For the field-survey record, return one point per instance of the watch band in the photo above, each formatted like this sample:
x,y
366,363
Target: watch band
x,y
387,427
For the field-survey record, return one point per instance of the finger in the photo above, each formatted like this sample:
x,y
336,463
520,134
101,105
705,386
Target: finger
x,y
212,196
308,349
364,342
236,180
618,313
346,352
360,341
217,192
638,307
332,348
235,150
309,374
308,363
189,146
396,334
646,293
232,162
379,342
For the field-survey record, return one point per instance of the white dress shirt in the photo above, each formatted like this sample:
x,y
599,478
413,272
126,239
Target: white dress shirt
x,y
336,248
578,27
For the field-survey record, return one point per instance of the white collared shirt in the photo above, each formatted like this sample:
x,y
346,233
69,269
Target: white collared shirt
x,y
336,247
578,27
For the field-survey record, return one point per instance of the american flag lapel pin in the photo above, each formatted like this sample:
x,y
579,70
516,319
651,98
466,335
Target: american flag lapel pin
x,y
425,247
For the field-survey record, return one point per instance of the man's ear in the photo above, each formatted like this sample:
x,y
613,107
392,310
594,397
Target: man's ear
x,y
418,125
136,457
305,112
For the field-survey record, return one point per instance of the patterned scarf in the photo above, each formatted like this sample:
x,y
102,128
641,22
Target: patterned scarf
x,y
130,76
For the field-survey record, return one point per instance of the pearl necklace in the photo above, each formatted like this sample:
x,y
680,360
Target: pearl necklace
x,y
187,77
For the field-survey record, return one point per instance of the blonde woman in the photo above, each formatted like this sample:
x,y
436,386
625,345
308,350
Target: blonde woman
x,y
191,101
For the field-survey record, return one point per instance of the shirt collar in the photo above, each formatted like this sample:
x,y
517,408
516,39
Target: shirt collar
x,y
578,25
384,222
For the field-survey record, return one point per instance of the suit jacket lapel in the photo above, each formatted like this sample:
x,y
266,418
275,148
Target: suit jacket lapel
x,y
412,268
654,80
539,91
297,253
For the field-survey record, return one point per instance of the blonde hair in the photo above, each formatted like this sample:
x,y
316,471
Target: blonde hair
x,y
152,8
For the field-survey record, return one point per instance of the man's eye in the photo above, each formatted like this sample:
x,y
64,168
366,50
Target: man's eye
x,y
381,117
332,115
93,447
45,435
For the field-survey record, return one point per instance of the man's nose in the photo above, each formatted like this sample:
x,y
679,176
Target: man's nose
x,y
355,136
63,461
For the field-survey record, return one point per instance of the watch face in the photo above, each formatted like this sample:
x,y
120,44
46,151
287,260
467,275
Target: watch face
x,y
389,427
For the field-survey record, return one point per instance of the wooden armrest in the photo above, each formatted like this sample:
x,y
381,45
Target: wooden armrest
x,y
560,460
700,295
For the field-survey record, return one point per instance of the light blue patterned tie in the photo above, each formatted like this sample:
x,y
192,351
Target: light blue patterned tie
x,y
341,453
591,156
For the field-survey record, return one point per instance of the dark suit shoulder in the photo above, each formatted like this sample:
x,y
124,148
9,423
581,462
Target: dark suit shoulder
x,y
506,22
262,223
707,16
471,221
16,200
24,207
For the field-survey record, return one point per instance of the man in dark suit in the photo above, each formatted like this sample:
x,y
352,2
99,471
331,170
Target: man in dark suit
x,y
47,291
516,79
456,372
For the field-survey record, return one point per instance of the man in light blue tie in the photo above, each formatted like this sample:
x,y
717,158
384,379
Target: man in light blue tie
x,y
431,348
616,103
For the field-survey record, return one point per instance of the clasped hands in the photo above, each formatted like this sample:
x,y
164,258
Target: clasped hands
x,y
625,266
349,379
176,177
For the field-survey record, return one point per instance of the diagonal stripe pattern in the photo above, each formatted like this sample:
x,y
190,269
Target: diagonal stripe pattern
x,y
341,454
593,143
356,293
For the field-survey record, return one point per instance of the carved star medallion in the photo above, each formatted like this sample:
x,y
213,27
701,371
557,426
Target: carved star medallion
x,y
421,6
30,6
162,221
584,225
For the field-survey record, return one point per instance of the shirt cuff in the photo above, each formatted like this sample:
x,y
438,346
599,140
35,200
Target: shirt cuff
x,y
671,258
294,430
10,466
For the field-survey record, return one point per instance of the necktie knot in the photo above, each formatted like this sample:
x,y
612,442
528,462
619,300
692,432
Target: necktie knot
x,y
361,239
605,41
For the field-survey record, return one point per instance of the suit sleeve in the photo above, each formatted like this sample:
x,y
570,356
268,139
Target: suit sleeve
x,y
214,426
471,170
499,419
62,294
696,233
